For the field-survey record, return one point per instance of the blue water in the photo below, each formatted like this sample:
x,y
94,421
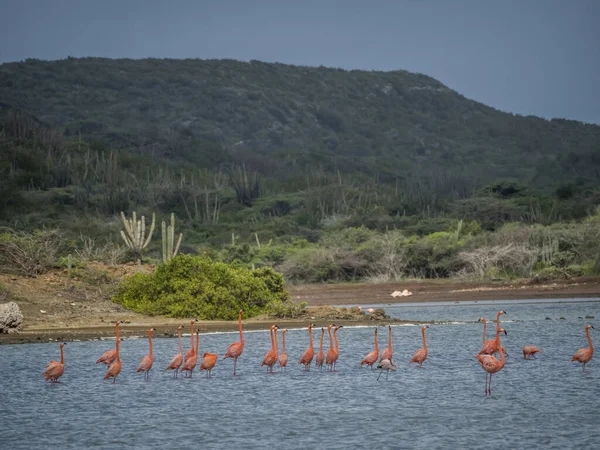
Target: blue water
x,y
543,403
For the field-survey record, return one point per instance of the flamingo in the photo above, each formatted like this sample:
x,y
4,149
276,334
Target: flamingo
x,y
109,356
209,360
331,352
235,350
387,365
387,352
337,346
55,369
321,355
115,368
529,351
192,361
177,360
146,363
371,357
421,354
583,355
309,353
283,358
489,346
271,356
190,352
491,364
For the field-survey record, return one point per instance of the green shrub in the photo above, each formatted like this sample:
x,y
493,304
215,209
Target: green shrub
x,y
193,286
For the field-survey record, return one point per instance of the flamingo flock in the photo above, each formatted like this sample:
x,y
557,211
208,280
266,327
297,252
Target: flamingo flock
x,y
179,364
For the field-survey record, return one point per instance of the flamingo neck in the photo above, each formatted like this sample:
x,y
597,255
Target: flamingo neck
x,y
309,339
322,336
150,343
390,338
179,339
376,344
330,340
337,344
117,334
197,342
240,327
587,332
275,340
498,320
192,334
62,355
283,341
484,327
502,360
424,340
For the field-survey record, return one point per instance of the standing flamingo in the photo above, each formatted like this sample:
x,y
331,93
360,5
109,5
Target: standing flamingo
x,y
321,355
583,355
115,368
489,346
55,369
177,360
235,350
192,361
309,353
491,364
387,365
109,356
331,352
190,351
337,346
529,351
146,363
387,352
209,360
271,356
371,357
283,358
421,354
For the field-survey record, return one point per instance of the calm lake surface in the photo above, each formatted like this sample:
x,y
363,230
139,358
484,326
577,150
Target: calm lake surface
x,y
543,403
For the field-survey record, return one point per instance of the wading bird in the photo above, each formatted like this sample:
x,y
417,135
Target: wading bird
x,y
283,357
177,360
115,368
321,356
371,357
309,353
337,347
583,355
109,356
529,351
331,352
55,369
489,346
190,362
387,352
209,360
421,355
146,362
491,364
387,365
190,351
235,350
271,356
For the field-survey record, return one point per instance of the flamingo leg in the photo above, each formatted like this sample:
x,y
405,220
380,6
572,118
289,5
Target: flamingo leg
x,y
234,365
380,372
387,373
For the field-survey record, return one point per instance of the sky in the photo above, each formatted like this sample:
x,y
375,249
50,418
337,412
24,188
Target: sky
x,y
529,57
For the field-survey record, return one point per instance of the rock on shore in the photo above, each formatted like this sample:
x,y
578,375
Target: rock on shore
x,y
11,318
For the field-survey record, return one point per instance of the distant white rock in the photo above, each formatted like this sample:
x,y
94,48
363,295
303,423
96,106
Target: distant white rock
x,y
11,318
404,293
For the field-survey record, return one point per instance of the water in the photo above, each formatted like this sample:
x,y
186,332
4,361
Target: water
x,y
546,402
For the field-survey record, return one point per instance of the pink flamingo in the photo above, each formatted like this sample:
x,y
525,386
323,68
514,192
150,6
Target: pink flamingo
x,y
583,355
529,351
489,346
331,352
271,356
109,356
209,360
387,365
283,358
115,368
387,352
190,351
491,364
177,360
146,362
371,357
337,346
321,355
192,361
309,353
421,355
55,369
235,350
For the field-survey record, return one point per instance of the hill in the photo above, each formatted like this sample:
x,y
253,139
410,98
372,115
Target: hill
x,y
278,119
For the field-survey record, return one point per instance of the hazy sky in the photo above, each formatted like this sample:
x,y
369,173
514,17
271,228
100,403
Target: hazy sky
x,y
525,56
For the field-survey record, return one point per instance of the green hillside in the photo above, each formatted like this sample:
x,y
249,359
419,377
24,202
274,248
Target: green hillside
x,y
324,174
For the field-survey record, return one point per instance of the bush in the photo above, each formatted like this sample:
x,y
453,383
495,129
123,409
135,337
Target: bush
x,y
193,286
29,253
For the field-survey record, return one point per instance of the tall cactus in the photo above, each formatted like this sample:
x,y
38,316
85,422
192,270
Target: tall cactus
x,y
168,239
135,233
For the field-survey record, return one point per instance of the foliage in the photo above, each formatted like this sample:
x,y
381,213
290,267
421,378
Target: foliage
x,y
30,254
192,286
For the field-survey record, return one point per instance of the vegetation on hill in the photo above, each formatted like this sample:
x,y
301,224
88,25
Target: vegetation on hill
x,y
322,174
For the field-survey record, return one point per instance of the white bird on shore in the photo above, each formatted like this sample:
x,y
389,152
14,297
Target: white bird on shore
x,y
387,365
